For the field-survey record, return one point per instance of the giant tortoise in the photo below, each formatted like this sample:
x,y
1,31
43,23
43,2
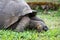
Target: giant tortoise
x,y
14,12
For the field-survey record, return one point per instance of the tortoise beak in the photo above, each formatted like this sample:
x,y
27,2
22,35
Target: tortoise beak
x,y
45,28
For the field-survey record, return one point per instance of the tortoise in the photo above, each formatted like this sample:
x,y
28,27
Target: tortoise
x,y
15,13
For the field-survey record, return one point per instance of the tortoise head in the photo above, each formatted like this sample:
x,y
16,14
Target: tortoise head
x,y
41,26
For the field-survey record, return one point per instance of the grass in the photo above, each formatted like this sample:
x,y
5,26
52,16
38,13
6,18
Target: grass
x,y
52,21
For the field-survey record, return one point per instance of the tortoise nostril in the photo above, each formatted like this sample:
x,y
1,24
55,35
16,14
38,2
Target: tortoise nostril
x,y
45,28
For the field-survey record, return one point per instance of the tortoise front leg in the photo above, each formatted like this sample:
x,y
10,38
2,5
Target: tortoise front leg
x,y
22,24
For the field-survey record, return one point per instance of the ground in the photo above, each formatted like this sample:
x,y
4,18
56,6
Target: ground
x,y
52,20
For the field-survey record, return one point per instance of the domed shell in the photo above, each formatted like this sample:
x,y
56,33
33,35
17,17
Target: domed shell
x,y
11,10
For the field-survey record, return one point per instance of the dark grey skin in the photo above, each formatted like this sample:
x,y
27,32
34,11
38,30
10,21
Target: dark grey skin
x,y
36,18
22,24
38,25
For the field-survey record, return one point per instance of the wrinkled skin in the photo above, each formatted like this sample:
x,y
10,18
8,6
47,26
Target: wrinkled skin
x,y
38,24
11,11
22,24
